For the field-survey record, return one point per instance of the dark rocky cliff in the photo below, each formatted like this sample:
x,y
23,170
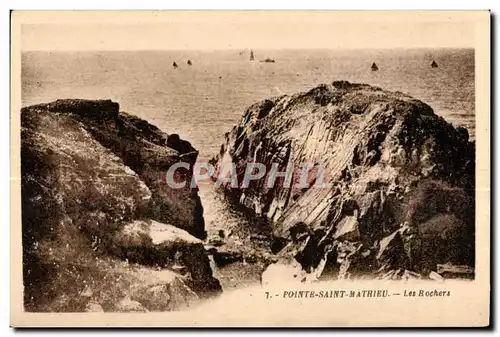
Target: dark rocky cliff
x,y
101,229
402,180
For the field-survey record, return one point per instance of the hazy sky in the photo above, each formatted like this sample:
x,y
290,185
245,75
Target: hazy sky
x,y
221,30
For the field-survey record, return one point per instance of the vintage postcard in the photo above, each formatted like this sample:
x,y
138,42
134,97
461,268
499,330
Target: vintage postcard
x,y
250,169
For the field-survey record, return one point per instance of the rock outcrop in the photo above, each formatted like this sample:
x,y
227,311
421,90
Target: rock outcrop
x,y
101,228
390,193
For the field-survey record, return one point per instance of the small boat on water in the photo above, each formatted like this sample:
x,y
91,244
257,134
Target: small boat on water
x,y
434,64
175,65
374,67
252,58
268,60
189,63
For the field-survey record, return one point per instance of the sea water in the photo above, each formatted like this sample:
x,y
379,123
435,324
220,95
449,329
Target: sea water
x,y
203,101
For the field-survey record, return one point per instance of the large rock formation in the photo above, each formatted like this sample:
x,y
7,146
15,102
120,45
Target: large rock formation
x,y
400,198
101,228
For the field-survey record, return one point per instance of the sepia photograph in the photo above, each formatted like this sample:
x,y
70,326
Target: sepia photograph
x,y
250,168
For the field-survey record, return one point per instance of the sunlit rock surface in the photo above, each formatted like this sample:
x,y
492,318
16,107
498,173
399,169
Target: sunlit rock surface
x,y
401,181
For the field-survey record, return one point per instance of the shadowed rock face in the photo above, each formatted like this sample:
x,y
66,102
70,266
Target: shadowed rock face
x,y
401,193
142,147
89,172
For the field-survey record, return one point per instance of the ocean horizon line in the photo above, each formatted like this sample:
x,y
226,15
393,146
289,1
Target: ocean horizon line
x,y
241,49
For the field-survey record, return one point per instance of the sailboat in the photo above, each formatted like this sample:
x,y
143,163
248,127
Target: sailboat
x,y
175,65
374,67
252,58
434,64
189,63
